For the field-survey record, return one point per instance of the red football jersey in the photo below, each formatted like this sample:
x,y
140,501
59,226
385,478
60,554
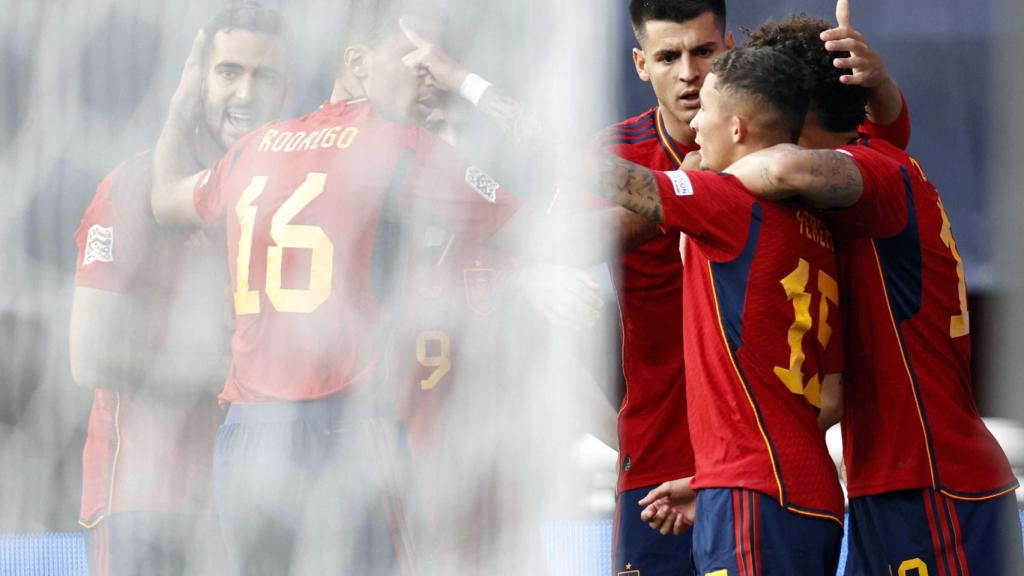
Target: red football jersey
x,y
654,439
449,303
442,357
762,330
135,443
896,132
910,419
315,207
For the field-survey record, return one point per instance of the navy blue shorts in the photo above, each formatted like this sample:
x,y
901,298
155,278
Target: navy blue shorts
x,y
925,533
307,488
642,551
743,533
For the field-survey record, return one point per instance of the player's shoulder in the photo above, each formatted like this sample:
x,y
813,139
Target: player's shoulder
x,y
635,132
877,149
129,181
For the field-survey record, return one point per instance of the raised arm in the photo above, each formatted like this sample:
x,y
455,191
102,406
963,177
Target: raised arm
x,y
868,70
629,185
822,178
176,170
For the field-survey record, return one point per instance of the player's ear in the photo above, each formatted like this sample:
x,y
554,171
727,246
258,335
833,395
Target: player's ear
x,y
737,129
357,60
640,61
730,41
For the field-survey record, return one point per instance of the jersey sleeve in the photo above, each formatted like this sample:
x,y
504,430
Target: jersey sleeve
x,y
209,194
881,210
113,233
713,210
443,190
896,132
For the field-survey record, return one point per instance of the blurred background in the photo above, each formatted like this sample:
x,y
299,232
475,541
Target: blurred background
x,y
84,84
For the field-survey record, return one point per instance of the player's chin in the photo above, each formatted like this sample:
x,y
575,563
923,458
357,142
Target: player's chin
x,y
426,111
229,135
682,112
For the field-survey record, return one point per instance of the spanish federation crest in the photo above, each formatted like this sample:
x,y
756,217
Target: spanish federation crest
x,y
483,184
99,245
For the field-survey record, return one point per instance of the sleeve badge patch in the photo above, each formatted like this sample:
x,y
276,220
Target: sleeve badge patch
x,y
680,182
483,184
99,245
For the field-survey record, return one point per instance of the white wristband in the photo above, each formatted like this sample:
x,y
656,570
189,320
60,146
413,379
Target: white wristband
x,y
473,88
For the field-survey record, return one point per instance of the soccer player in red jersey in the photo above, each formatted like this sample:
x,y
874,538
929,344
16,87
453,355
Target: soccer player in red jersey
x,y
146,332
679,39
308,463
763,348
930,489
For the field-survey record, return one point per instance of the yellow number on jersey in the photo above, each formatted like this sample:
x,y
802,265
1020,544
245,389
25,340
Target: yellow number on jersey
x,y
247,301
285,235
913,564
440,362
959,325
795,285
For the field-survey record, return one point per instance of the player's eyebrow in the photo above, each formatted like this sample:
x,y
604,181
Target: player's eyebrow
x,y
666,52
228,66
709,46
269,72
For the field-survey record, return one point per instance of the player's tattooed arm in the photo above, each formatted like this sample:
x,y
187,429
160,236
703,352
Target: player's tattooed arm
x,y
822,178
512,117
505,111
629,185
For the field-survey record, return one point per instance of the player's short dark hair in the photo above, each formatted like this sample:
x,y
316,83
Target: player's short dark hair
x,y
369,21
772,78
242,15
840,107
678,11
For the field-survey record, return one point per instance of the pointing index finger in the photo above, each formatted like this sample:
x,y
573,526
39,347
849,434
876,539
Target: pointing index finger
x,y
843,13
411,34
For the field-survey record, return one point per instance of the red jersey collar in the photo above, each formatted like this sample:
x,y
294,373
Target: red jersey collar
x,y
674,150
336,108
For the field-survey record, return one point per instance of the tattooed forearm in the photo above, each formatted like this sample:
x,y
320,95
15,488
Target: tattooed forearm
x,y
836,180
823,178
631,186
511,116
768,182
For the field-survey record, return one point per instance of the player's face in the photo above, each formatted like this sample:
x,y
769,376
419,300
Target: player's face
x,y
396,91
713,125
676,58
245,83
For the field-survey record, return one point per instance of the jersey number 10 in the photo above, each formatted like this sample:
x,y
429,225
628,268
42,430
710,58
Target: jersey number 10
x,y
795,285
